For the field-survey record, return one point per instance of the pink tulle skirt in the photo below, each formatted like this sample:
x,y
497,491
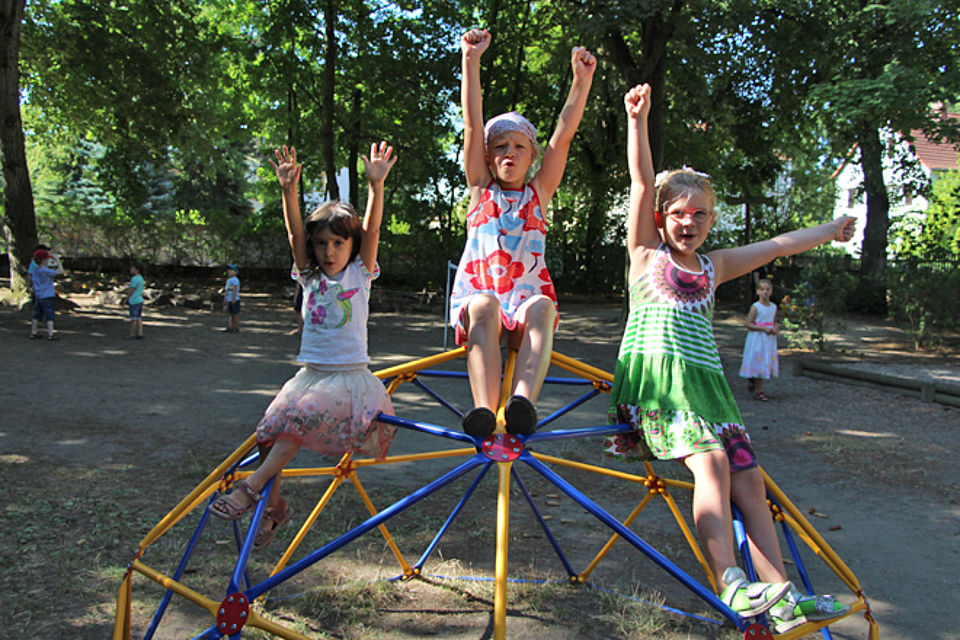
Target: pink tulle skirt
x,y
331,412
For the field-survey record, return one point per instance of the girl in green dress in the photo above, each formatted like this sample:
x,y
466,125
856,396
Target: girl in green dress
x,y
669,382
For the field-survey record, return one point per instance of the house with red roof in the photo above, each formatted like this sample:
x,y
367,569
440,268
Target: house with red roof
x,y
934,159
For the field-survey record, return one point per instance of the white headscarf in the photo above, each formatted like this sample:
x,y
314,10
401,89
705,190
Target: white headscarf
x,y
505,122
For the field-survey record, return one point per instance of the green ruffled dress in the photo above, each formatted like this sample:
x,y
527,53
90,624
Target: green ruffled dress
x,y
669,381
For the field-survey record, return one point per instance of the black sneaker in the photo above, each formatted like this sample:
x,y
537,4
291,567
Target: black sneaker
x,y
520,416
479,422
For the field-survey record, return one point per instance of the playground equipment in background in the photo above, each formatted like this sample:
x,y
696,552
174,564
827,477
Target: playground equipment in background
x,y
502,452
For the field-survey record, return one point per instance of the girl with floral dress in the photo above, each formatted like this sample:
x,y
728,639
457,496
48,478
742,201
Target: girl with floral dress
x,y
330,405
669,383
502,289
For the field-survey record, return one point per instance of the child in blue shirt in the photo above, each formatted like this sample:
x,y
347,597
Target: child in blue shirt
x,y
133,296
231,296
44,296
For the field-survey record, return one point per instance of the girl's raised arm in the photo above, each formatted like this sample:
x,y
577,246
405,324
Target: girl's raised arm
x,y
555,155
472,45
377,167
641,229
732,263
288,174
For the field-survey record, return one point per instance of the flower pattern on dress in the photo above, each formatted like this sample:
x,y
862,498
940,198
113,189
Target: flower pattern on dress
x,y
486,212
495,272
504,253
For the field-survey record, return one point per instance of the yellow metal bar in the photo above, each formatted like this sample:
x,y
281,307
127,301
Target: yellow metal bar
x,y
606,472
393,385
254,619
404,565
121,623
817,549
691,540
585,574
503,543
258,621
575,366
422,363
811,627
179,589
414,457
842,570
297,539
197,494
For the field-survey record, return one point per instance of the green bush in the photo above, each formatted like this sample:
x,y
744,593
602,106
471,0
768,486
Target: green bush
x,y
925,299
824,287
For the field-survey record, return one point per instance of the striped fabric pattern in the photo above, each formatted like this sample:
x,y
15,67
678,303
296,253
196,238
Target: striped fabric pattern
x,y
662,330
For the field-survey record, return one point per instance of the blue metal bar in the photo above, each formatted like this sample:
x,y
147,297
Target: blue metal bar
x,y
184,561
433,394
210,634
743,545
801,568
437,373
453,514
567,409
543,523
636,541
565,434
433,430
374,521
240,570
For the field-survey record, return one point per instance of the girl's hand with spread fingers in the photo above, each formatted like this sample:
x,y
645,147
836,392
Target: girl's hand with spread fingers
x,y
379,163
288,171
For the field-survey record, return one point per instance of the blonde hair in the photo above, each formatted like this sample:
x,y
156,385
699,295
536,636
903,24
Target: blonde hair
x,y
681,183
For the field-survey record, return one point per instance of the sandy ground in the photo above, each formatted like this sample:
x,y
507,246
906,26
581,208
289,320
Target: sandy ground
x,y
878,471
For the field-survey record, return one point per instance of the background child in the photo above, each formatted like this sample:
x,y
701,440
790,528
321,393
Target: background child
x,y
760,350
330,404
133,296
231,296
669,381
44,294
502,289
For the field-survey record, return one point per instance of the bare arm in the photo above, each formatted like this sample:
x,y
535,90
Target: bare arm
x,y
472,45
555,155
731,263
288,174
642,234
752,318
377,167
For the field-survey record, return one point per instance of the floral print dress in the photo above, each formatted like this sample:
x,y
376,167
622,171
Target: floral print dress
x,y
504,254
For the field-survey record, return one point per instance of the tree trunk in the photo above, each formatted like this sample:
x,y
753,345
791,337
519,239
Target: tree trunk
x,y
19,217
651,68
327,140
874,257
356,139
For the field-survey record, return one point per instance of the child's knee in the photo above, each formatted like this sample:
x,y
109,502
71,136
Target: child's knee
x,y
483,310
540,312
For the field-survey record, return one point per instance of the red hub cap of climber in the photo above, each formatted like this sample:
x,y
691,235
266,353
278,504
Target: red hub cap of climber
x,y
756,631
502,447
233,613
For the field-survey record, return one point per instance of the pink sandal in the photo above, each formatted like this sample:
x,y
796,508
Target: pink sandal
x,y
226,509
273,519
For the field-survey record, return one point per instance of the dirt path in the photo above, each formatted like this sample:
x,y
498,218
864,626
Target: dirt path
x,y
879,470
